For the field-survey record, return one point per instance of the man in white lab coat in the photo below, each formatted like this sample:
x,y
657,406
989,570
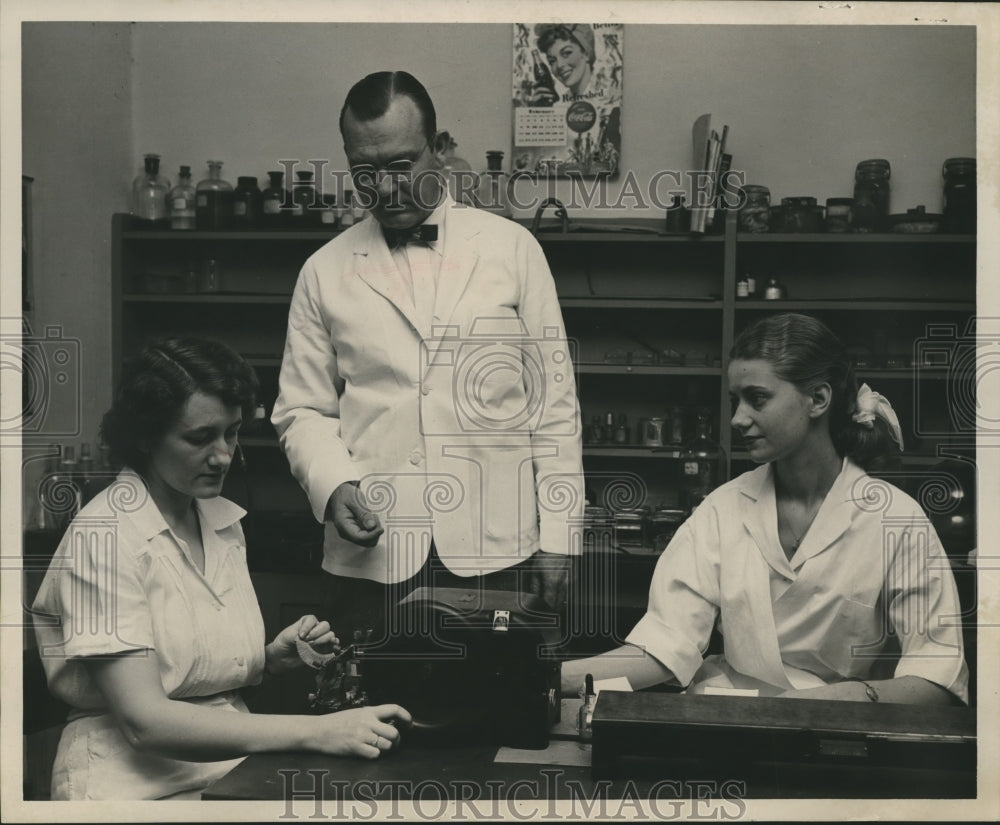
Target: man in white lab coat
x,y
427,399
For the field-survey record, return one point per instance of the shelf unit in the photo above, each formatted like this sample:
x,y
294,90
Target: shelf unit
x,y
627,291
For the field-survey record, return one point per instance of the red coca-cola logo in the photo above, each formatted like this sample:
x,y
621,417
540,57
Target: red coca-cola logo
x,y
581,116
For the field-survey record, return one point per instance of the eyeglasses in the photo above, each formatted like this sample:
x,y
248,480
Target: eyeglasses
x,y
368,174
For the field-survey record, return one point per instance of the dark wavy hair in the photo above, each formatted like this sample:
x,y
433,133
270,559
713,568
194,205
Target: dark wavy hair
x,y
156,385
804,351
371,97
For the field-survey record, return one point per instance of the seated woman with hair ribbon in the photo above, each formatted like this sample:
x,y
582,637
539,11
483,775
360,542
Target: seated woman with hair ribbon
x,y
824,582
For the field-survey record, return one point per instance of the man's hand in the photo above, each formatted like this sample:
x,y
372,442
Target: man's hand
x,y
550,578
352,518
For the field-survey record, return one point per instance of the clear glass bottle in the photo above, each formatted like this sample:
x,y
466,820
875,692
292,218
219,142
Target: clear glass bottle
x,y
871,195
182,201
214,203
493,185
246,203
701,464
273,198
149,191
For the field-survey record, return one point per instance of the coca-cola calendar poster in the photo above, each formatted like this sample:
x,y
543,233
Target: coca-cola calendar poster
x,y
567,93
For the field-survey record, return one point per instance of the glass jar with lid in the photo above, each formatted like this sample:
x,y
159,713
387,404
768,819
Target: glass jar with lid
x,y
755,213
838,214
960,195
871,195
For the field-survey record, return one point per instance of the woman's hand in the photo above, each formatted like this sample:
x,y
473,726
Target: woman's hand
x,y
283,653
366,732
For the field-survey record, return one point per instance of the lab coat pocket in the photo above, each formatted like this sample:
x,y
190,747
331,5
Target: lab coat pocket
x,y
856,635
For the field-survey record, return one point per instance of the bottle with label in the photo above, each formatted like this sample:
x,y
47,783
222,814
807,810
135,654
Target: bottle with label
x,y
214,201
701,463
149,192
621,430
182,201
328,215
305,211
273,198
246,203
493,186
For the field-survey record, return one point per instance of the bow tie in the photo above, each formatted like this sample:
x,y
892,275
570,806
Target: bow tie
x,y
425,233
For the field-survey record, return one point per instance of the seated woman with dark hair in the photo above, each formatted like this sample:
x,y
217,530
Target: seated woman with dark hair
x,y
147,622
812,570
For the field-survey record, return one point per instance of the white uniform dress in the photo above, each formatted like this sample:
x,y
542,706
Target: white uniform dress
x,y
121,580
870,577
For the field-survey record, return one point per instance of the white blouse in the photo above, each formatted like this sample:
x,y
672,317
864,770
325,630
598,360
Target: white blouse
x,y
121,580
869,573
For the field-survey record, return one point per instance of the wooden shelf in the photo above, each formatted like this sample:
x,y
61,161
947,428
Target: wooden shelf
x,y
600,302
863,304
206,298
635,369
853,238
630,451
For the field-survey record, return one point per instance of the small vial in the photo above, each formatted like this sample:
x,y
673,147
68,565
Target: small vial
x,y
586,709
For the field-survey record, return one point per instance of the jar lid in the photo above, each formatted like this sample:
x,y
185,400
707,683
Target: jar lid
x,y
878,166
185,171
959,165
304,176
840,201
755,187
800,200
246,180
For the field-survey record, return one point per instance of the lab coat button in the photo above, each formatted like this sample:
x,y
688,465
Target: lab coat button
x,y
425,390
416,457
239,661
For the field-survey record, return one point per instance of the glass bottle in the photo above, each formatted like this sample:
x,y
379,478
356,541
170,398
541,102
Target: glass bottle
x,y
701,463
182,200
596,431
328,215
214,203
246,203
346,215
960,195
543,91
871,195
149,191
304,212
273,198
85,474
584,721
621,430
493,185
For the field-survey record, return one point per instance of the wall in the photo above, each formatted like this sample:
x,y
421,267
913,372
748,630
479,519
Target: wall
x,y
76,132
804,104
